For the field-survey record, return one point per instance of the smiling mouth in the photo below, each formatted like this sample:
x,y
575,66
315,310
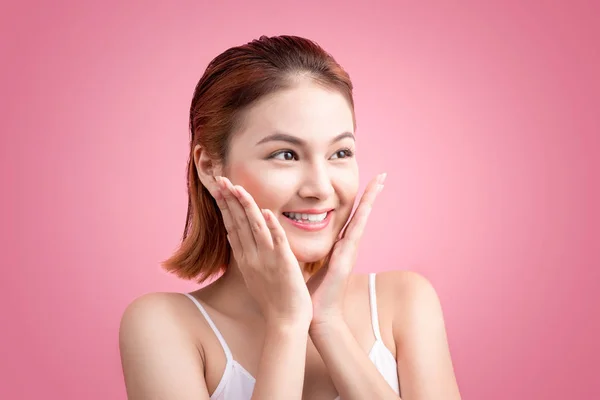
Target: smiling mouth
x,y
305,218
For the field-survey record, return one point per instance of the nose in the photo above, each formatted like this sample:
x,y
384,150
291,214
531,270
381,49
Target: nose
x,y
316,182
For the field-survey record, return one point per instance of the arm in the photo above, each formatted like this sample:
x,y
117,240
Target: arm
x,y
352,372
425,367
161,361
159,358
354,375
282,362
273,277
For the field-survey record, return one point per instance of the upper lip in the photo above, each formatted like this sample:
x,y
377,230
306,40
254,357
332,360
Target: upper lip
x,y
311,211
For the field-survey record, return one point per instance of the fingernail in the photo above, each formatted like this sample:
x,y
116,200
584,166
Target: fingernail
x,y
226,183
379,188
382,177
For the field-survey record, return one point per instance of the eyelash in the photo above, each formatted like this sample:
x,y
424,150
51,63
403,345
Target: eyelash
x,y
349,153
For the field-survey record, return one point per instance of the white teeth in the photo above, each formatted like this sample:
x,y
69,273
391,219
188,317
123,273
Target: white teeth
x,y
306,217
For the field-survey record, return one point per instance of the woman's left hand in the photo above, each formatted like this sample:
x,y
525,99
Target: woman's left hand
x,y
327,286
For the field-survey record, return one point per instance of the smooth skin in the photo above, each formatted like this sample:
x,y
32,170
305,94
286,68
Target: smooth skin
x,y
299,336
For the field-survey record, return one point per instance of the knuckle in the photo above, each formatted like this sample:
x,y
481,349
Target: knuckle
x,y
256,227
278,240
244,202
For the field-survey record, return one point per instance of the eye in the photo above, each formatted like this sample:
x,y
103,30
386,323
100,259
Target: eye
x,y
284,155
344,153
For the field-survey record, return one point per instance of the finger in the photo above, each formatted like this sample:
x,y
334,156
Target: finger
x,y
355,228
240,219
256,220
228,220
277,233
236,246
212,186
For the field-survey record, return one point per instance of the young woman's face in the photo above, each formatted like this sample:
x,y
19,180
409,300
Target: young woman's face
x,y
295,156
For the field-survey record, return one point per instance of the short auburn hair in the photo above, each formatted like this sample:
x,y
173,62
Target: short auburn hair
x,y
232,82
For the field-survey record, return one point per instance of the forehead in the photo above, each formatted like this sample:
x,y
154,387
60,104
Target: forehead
x,y
307,110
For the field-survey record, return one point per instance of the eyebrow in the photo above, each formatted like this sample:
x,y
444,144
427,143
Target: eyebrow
x,y
284,137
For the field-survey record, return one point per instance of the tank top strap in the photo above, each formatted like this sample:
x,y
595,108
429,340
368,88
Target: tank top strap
x,y
212,326
373,302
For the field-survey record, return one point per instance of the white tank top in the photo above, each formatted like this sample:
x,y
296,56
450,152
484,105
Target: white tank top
x,y
238,384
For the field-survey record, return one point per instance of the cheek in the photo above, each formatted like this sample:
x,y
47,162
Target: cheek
x,y
347,185
268,190
347,191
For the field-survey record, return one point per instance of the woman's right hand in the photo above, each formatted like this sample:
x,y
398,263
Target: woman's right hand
x,y
260,247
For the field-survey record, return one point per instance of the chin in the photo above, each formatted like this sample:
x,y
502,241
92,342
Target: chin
x,y
311,251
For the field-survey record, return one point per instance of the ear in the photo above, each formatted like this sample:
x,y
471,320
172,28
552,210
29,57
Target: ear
x,y
207,168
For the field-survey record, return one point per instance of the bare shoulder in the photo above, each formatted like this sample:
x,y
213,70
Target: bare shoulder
x,y
155,319
418,327
159,354
406,286
397,288
155,312
410,296
402,296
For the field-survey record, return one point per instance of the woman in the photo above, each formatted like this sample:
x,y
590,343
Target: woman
x,y
272,180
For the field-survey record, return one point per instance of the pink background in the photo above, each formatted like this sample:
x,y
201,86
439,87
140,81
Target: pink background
x,y
485,116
